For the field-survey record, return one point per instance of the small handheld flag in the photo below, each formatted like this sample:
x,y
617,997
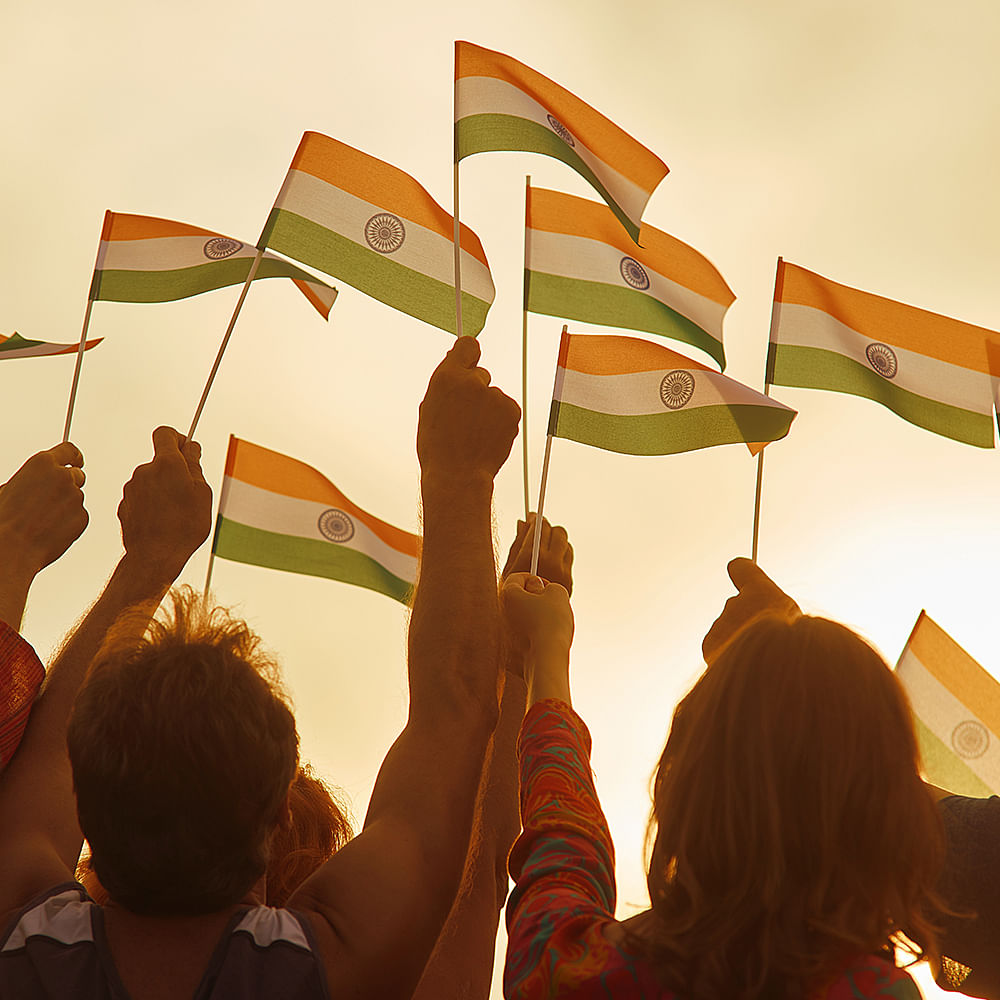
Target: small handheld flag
x,y
278,512
15,346
956,705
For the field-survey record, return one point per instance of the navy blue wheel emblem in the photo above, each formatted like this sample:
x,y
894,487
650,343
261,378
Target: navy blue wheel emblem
x,y
676,389
634,273
883,359
335,525
385,233
561,130
220,247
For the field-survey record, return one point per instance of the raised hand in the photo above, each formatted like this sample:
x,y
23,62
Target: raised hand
x,y
41,508
758,595
466,428
555,554
166,507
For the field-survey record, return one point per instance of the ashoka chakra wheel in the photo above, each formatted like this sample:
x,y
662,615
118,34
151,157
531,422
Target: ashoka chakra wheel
x,y
634,273
970,739
336,525
221,246
883,359
561,130
385,233
676,389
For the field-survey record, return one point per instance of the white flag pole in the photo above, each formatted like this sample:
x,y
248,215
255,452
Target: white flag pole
x,y
83,333
775,321
536,544
524,353
225,341
211,559
457,230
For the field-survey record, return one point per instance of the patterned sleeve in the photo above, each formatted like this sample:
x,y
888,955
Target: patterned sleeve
x,y
563,864
21,674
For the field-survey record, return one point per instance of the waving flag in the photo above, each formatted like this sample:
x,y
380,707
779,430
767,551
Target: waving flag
x,y
957,708
15,346
369,224
579,265
930,370
145,259
278,512
501,104
636,397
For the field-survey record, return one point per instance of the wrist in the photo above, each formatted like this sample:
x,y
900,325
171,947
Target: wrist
x,y
546,673
446,484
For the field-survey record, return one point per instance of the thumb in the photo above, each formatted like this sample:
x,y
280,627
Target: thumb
x,y
534,585
745,573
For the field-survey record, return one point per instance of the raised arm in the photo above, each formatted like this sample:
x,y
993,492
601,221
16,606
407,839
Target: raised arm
x,y
166,513
41,515
461,967
379,904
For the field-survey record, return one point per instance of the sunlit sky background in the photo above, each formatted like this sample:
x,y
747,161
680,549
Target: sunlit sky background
x,y
857,139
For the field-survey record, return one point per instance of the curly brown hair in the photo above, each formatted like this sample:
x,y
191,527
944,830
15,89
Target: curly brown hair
x,y
183,750
792,829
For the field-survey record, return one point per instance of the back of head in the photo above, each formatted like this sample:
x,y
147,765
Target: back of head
x,y
792,828
182,752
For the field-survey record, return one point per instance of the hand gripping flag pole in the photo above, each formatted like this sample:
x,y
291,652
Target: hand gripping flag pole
x,y
775,320
553,414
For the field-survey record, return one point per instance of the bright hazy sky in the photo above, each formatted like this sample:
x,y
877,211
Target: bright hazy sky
x,y
856,139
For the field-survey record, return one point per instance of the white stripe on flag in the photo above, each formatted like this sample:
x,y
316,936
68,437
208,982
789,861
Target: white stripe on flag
x,y
285,515
164,253
486,95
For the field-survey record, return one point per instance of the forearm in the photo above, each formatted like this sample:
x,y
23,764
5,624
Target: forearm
x,y
454,629
14,588
461,965
546,671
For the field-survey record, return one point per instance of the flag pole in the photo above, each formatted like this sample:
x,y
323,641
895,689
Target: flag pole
x,y
775,320
553,412
211,562
91,295
76,370
225,341
457,226
524,354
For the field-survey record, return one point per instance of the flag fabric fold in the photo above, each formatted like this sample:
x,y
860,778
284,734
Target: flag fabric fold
x,y
278,512
146,259
501,104
580,265
370,224
638,398
16,346
956,707
930,370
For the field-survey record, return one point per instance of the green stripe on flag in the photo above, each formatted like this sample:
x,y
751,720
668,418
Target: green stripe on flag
x,y
384,279
183,282
672,431
944,768
309,556
503,133
815,368
614,305
15,342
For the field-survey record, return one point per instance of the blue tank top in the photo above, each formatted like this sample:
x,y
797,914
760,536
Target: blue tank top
x,y
56,948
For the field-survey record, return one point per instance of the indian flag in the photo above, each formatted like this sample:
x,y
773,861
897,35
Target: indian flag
x,y
636,397
930,370
16,346
369,224
956,705
580,265
278,512
145,259
501,104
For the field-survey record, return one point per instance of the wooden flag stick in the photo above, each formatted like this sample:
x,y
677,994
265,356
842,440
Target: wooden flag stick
x,y
536,544
775,320
458,260
524,354
225,341
211,560
76,370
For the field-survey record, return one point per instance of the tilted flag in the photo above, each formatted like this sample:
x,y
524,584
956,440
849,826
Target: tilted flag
x,y
15,346
579,265
145,259
501,104
369,224
956,705
635,397
930,370
278,512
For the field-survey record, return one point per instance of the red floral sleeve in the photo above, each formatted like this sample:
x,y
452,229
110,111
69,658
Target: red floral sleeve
x,y
21,674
